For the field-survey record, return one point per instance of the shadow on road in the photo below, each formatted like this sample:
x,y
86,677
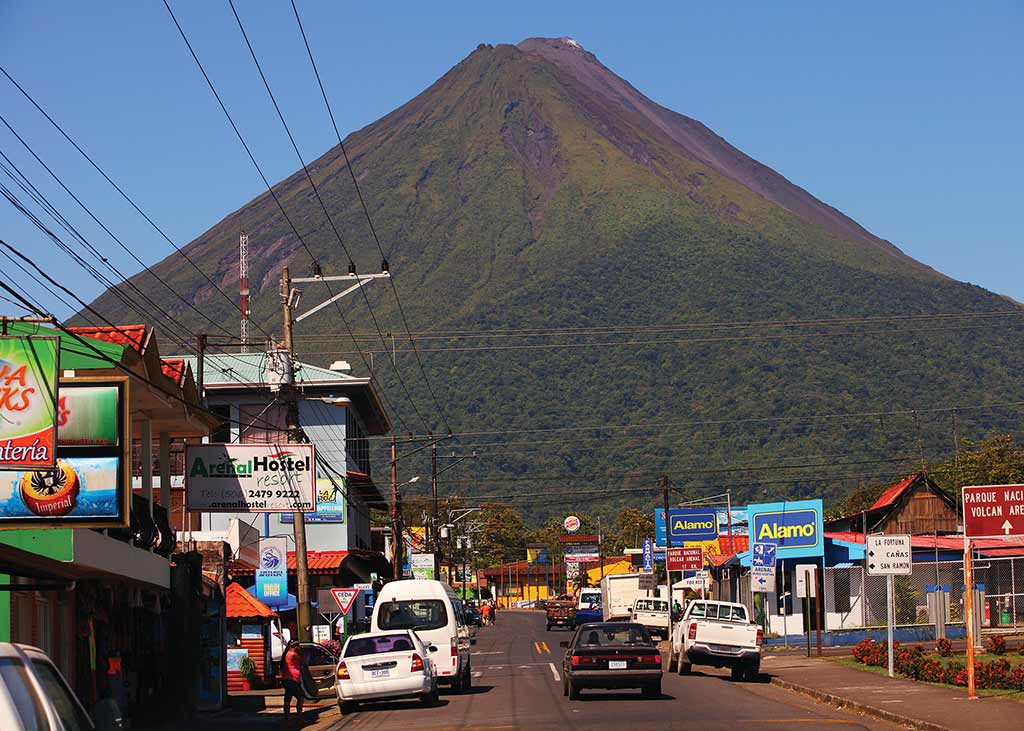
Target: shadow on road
x,y
596,695
474,690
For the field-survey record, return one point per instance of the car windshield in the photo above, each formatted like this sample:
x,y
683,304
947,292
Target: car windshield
x,y
420,614
70,712
614,635
359,646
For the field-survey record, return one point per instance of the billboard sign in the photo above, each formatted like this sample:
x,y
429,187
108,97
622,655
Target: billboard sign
x,y
250,478
330,502
536,554
421,565
582,553
272,574
686,525
795,527
28,402
90,486
993,511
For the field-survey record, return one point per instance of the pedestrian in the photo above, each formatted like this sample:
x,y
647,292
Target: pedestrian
x,y
494,611
291,678
485,613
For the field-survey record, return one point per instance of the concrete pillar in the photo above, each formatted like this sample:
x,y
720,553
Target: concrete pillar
x,y
165,471
146,435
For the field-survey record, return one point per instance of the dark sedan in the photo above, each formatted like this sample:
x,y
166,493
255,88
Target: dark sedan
x,y
611,655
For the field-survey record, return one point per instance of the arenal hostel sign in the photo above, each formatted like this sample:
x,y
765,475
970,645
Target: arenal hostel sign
x,y
993,511
28,402
250,478
89,487
795,527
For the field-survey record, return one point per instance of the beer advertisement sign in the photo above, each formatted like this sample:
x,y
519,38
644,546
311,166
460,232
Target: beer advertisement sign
x,y
28,402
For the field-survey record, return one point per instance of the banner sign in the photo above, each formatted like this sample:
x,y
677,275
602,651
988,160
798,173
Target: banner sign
x,y
795,527
330,502
272,574
28,402
536,554
464,575
582,553
572,570
89,487
421,565
250,478
648,556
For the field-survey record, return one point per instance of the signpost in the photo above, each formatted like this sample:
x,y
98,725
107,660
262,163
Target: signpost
x,y
762,567
990,511
647,582
345,598
889,556
648,556
697,582
688,558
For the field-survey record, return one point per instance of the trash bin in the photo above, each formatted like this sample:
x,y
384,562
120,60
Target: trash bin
x,y
1005,618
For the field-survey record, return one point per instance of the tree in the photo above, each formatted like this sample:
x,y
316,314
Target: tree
x,y
503,539
629,530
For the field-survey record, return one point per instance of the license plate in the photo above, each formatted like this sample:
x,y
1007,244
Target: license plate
x,y
616,664
380,673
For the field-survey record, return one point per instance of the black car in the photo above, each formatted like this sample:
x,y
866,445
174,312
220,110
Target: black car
x,y
472,614
611,655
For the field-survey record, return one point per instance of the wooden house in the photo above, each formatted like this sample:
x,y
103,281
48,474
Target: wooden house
x,y
914,506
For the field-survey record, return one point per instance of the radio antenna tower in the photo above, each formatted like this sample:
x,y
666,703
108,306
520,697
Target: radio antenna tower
x,y
243,289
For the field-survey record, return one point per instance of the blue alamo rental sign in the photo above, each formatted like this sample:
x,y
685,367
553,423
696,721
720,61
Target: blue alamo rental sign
x,y
686,524
795,527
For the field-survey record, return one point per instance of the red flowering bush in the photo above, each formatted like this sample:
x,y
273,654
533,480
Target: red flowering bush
x,y
943,647
907,662
932,671
996,644
1016,678
995,674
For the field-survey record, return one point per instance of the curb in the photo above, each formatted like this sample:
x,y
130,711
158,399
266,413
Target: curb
x,y
846,703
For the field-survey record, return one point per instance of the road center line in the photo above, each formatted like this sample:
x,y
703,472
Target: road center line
x,y
554,672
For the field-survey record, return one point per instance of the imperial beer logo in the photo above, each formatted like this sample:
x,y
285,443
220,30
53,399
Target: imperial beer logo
x,y
277,462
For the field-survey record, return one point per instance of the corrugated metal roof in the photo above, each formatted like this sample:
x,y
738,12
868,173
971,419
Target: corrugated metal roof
x,y
890,496
236,369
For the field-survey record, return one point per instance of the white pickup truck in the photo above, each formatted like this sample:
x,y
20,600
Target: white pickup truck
x,y
653,614
719,634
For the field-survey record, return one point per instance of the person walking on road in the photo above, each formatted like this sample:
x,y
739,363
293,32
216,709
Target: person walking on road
x,y
291,678
485,613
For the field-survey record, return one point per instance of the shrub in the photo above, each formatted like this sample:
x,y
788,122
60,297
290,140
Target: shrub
x,y
932,671
907,661
1016,679
944,647
996,644
995,674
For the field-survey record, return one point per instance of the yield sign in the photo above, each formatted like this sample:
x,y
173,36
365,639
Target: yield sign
x,y
345,598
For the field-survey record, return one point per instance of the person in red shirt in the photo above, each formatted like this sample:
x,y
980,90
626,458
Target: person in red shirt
x,y
485,613
291,677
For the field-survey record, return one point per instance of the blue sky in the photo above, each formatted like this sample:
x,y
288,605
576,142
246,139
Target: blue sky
x,y
906,116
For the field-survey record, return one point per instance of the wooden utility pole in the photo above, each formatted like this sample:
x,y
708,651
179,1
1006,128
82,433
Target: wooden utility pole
x,y
436,543
303,613
396,507
668,545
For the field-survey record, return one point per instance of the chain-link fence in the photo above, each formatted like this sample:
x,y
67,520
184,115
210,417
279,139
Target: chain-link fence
x,y
855,600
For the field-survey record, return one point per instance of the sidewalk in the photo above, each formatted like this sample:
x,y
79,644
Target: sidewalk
x,y
919,705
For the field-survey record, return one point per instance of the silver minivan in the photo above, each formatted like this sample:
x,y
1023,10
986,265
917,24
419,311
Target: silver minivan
x,y
34,695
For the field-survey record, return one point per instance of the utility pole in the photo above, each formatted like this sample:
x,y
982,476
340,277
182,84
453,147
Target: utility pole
x,y
436,543
303,613
396,507
200,366
668,546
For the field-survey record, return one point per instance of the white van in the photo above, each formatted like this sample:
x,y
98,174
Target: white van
x,y
432,609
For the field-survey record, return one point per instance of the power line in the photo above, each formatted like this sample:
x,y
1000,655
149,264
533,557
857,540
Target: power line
x,y
678,341
110,233
116,186
273,194
366,213
316,192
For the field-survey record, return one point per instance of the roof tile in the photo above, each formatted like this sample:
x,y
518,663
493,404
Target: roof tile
x,y
243,605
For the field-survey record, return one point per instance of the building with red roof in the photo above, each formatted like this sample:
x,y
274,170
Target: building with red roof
x,y
915,505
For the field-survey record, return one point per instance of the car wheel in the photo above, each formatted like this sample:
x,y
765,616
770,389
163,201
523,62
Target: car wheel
x,y
574,691
468,683
753,672
684,667
651,691
549,628
431,699
565,684
458,684
346,707
737,672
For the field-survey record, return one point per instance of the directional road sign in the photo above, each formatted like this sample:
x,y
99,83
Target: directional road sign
x,y
803,571
345,598
698,580
763,554
762,579
647,582
889,555
648,556
688,558
993,511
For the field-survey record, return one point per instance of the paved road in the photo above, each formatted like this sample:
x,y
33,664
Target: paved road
x,y
516,669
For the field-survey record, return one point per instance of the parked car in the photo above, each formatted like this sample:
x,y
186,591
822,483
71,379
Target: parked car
x,y
386,666
719,634
34,695
653,614
472,614
611,655
321,663
432,610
